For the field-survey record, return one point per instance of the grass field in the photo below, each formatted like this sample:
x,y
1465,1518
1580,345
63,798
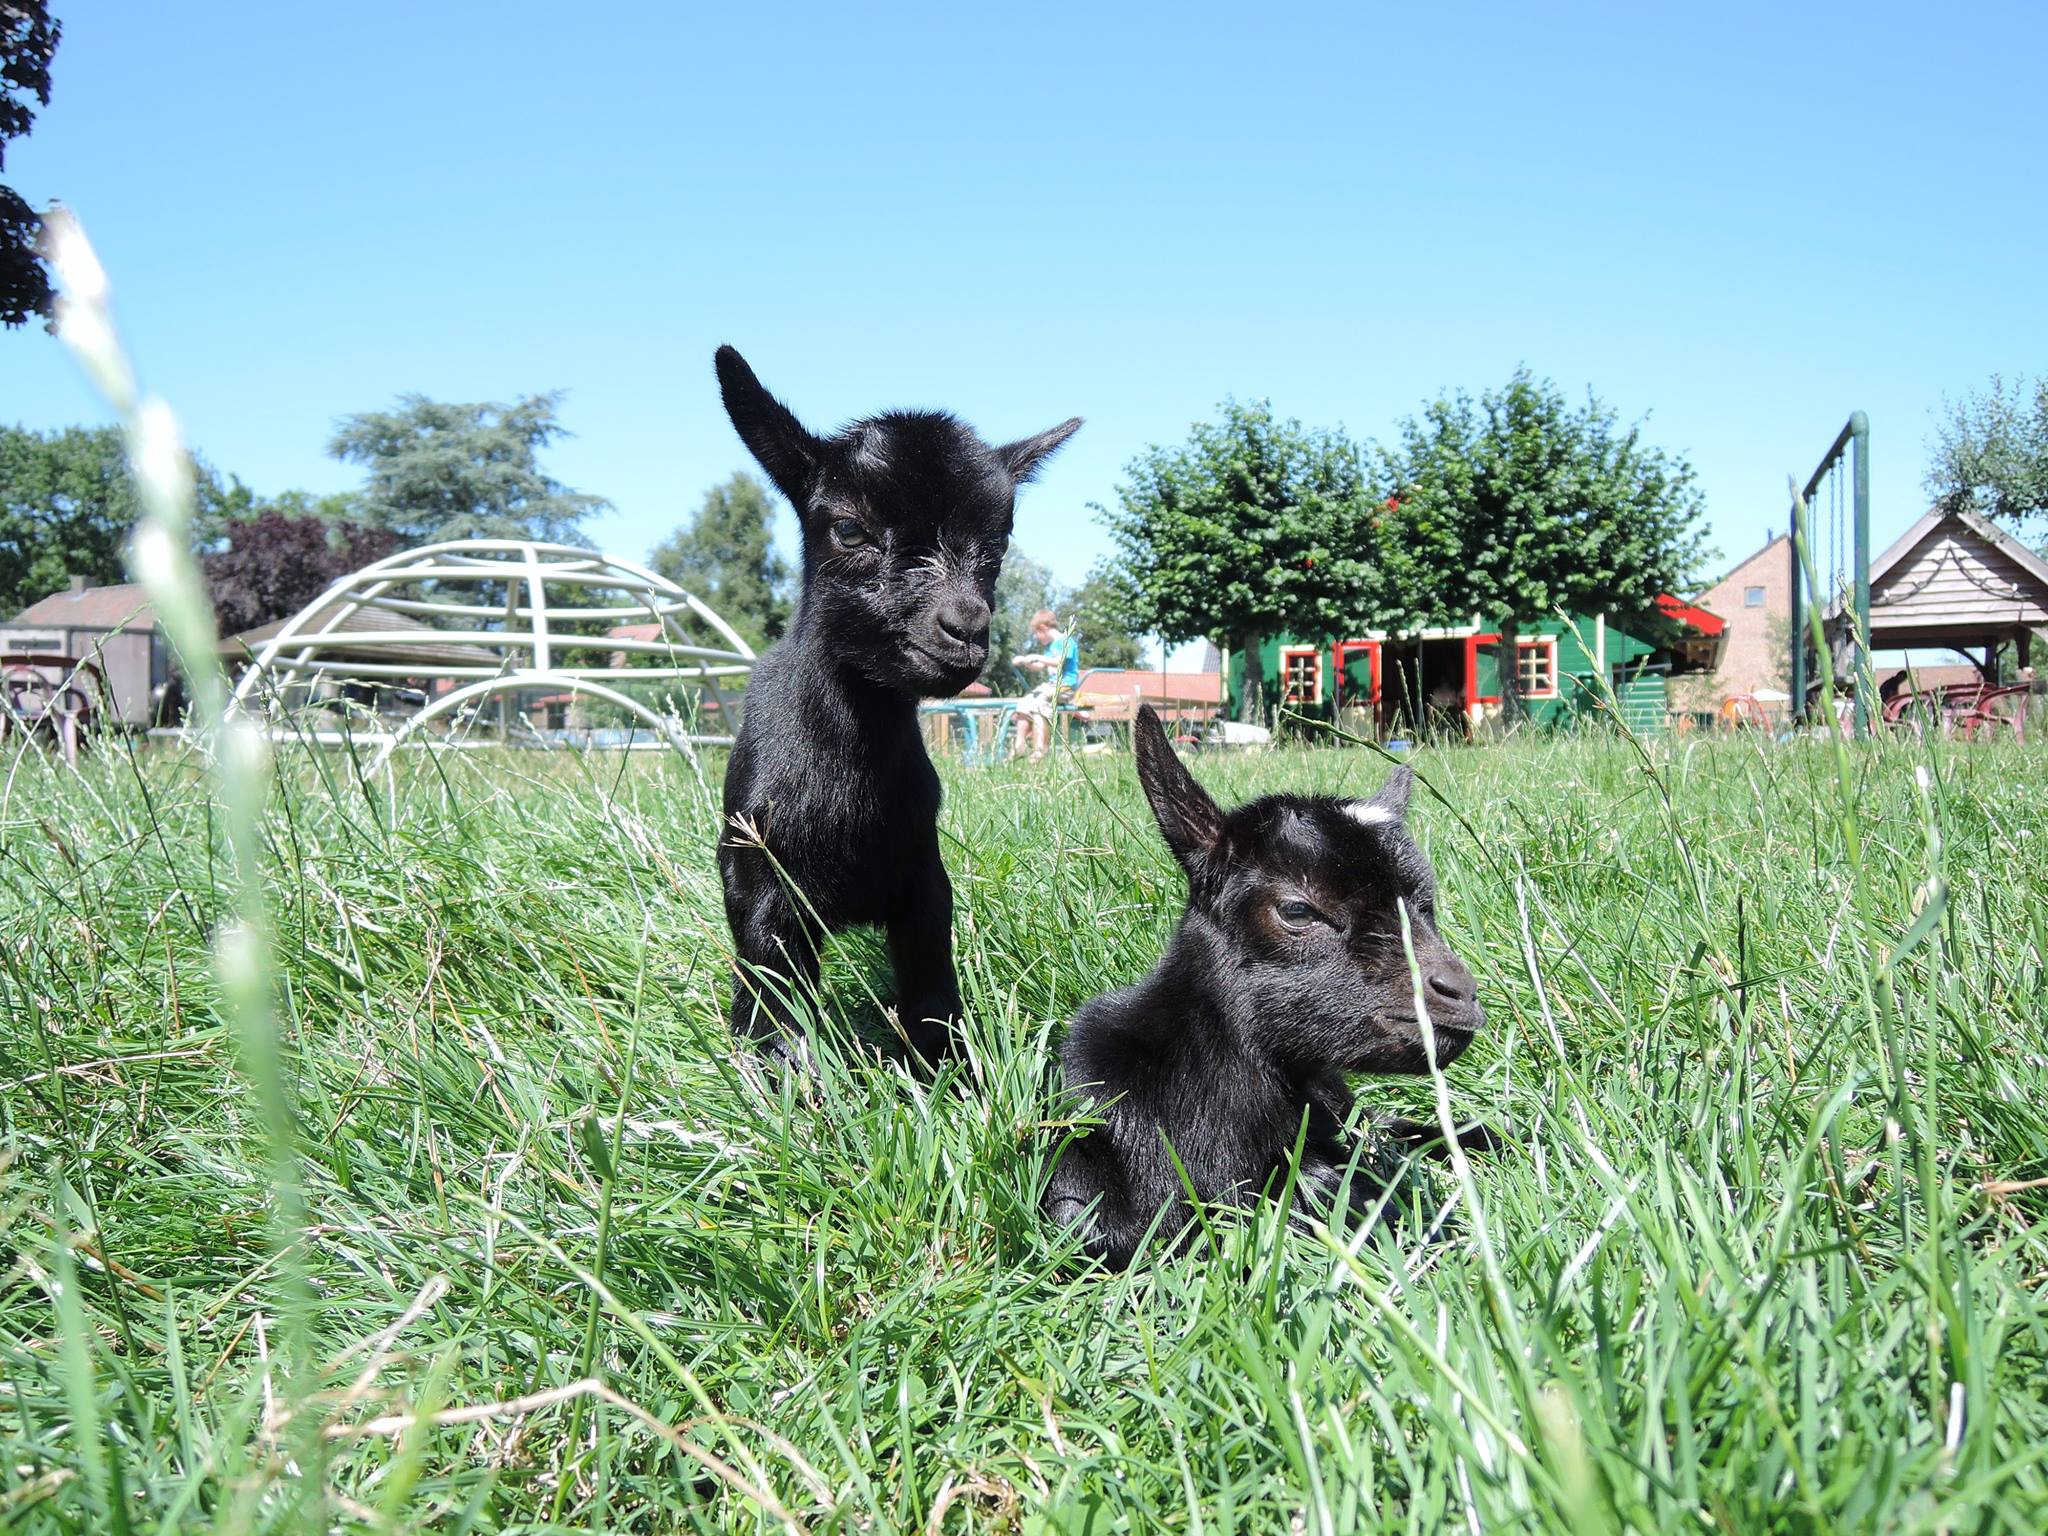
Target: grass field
x,y
1768,1255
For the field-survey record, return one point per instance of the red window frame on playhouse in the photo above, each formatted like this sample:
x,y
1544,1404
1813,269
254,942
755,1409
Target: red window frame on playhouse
x,y
1473,697
1473,643
1338,653
1292,653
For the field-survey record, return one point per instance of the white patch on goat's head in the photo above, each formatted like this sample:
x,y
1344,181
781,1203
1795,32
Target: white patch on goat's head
x,y
871,452
942,562
1366,814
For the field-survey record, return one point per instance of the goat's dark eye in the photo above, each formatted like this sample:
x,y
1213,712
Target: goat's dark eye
x,y
849,533
1299,914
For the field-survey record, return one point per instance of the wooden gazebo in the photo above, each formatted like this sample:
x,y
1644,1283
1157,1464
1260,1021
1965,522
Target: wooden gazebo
x,y
1955,579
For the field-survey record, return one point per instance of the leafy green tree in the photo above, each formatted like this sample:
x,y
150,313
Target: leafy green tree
x,y
28,41
66,507
1517,505
1992,452
441,471
1778,651
333,507
727,557
1254,526
1098,612
1023,586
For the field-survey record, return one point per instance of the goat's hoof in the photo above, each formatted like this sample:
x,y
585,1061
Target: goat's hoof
x,y
934,1039
789,1051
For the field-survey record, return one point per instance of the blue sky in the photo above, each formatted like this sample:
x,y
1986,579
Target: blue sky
x,y
1742,222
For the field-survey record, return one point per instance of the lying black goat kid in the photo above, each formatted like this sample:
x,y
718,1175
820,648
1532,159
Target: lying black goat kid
x,y
1286,973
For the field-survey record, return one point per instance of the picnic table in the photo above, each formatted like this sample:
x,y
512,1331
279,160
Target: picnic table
x,y
981,726
982,730
1117,707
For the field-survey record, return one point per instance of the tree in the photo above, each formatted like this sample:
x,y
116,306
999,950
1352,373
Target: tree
x,y
1023,586
439,471
1097,611
28,41
1778,651
727,557
1992,452
67,505
1254,526
1516,506
275,563
334,507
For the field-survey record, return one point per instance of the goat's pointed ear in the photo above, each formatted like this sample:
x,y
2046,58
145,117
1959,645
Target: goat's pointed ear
x,y
769,428
1023,457
1393,795
1188,819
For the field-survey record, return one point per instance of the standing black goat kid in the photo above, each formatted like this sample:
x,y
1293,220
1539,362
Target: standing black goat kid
x,y
905,517
1287,971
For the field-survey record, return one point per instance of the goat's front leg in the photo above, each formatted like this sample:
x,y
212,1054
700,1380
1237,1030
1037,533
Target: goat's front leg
x,y
776,948
1083,1195
1428,1136
920,925
1320,1184
1328,1153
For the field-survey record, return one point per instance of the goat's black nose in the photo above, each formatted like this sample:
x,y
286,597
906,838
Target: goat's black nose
x,y
962,618
1452,984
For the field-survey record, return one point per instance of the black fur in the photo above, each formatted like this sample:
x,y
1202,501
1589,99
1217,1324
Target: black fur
x,y
1286,973
905,518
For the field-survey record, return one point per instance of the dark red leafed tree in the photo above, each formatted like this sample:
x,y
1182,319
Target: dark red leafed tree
x,y
273,565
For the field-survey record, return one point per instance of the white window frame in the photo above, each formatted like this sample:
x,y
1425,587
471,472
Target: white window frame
x,y
1547,643
1763,597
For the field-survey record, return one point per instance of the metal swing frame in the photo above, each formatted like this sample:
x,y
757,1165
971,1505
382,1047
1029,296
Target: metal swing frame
x,y
1854,440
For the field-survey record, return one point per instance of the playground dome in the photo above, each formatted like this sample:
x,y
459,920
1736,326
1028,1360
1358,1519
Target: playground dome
x,y
446,628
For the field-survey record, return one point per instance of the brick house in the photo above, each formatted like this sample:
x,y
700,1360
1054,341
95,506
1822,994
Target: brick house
x,y
1756,600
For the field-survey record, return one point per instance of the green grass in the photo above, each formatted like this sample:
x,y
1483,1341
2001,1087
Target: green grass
x,y
1756,1263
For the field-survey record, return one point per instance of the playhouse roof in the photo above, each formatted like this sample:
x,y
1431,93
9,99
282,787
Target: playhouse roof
x,y
1691,615
121,606
1986,530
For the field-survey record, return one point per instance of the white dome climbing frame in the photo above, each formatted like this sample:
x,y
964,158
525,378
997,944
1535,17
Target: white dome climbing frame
x,y
413,617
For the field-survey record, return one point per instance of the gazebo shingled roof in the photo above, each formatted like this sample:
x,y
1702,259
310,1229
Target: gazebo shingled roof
x,y
1955,579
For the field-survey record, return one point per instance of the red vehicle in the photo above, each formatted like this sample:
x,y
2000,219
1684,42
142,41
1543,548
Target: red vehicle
x,y
54,695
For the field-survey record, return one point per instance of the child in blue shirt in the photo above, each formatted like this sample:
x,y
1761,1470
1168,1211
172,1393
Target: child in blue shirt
x,y
1058,662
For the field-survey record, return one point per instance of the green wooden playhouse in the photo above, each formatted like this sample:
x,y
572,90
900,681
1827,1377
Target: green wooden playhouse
x,y
1448,680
